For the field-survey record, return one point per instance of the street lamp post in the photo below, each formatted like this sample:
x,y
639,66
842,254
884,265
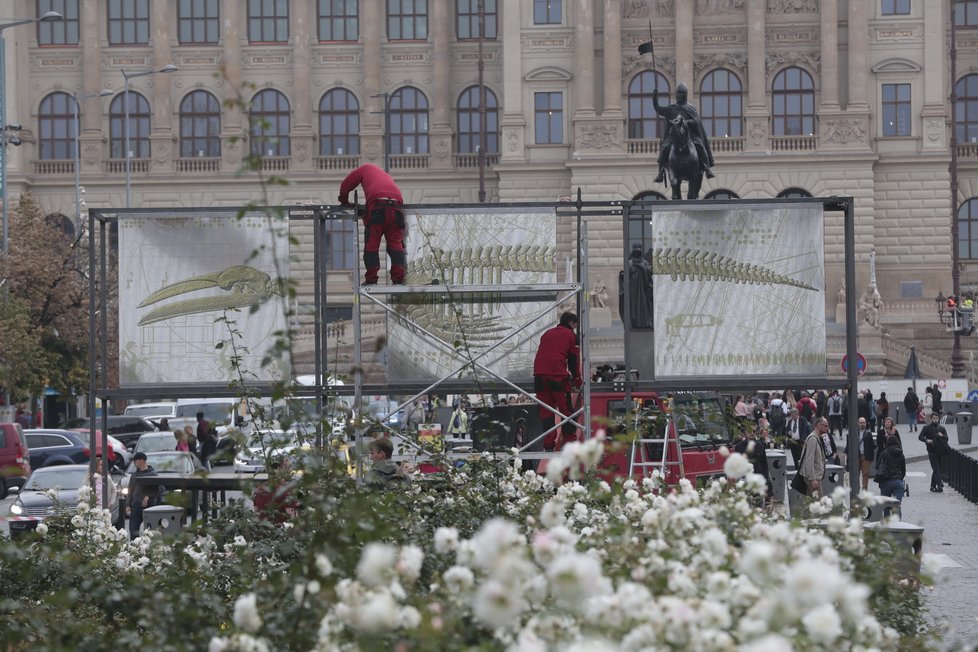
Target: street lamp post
x,y
125,99
78,99
51,15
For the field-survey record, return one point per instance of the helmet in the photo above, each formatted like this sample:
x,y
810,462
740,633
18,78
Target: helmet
x,y
682,88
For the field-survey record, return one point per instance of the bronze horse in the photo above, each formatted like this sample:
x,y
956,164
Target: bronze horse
x,y
684,162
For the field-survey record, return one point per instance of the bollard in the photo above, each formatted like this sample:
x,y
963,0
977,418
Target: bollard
x,y
887,507
777,466
906,540
167,519
834,477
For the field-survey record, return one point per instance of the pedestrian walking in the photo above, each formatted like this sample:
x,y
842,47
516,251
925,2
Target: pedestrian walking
x,y
835,413
867,453
911,403
812,467
935,436
382,219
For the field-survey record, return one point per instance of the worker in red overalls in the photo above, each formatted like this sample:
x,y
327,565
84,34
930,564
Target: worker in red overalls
x,y
383,219
556,371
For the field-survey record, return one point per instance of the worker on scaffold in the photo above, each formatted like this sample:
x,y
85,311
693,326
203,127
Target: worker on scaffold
x,y
383,218
556,371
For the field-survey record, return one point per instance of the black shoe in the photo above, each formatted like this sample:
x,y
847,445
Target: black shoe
x,y
397,283
660,178
708,173
933,489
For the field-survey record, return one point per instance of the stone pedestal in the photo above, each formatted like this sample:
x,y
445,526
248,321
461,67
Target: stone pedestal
x,y
599,317
869,343
840,313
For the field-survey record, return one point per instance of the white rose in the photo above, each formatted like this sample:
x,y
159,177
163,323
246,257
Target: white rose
x,y
446,540
42,529
246,615
737,466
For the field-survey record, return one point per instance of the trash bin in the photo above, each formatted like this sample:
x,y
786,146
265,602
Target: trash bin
x,y
885,507
796,501
964,427
167,519
834,477
777,466
906,540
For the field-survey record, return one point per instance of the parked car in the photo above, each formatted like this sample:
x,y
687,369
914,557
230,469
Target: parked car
x,y
155,442
55,447
126,429
152,411
34,499
119,455
252,458
164,463
15,466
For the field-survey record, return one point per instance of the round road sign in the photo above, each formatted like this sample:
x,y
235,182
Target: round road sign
x,y
860,364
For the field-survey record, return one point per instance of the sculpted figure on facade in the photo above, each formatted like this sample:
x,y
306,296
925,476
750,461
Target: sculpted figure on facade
x,y
792,6
871,306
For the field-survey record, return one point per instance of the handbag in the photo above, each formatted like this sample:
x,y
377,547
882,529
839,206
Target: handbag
x,y
799,483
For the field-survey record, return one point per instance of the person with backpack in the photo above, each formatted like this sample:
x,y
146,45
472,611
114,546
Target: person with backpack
x,y
776,414
458,424
882,407
807,408
835,413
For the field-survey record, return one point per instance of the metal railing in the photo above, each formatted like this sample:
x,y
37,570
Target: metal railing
x,y
961,472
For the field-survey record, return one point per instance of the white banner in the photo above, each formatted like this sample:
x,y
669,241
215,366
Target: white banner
x,y
738,291
178,274
480,247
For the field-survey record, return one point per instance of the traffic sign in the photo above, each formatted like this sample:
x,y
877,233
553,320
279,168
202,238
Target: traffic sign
x,y
973,396
942,383
860,364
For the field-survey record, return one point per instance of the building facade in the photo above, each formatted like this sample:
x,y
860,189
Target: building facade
x,y
799,97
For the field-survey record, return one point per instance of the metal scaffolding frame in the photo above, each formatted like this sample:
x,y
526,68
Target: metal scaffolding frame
x,y
99,219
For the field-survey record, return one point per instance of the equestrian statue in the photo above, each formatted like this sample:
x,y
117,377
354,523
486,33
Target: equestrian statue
x,y
685,150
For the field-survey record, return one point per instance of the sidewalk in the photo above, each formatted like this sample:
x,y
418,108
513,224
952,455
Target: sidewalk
x,y
950,532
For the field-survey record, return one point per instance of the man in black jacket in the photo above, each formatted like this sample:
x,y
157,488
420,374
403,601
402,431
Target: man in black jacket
x,y
911,402
141,497
796,431
892,470
935,436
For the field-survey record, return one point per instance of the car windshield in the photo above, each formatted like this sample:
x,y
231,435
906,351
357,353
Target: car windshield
x,y
700,421
153,444
277,439
214,412
60,478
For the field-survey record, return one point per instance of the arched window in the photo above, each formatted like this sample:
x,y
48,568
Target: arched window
x,y
721,193
468,122
200,125
270,121
968,233
409,121
139,126
722,104
643,122
790,193
56,127
966,111
339,123
649,195
793,103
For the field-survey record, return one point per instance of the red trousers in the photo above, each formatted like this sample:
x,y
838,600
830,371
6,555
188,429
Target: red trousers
x,y
555,393
384,219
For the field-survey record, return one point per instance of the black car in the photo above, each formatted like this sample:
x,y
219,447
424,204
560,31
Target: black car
x,y
51,447
125,428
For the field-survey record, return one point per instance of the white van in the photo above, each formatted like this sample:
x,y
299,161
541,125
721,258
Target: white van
x,y
152,411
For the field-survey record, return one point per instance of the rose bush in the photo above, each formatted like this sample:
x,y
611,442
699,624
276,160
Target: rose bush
x,y
487,557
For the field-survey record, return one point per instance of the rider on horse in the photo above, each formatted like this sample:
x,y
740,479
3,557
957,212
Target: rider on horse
x,y
688,113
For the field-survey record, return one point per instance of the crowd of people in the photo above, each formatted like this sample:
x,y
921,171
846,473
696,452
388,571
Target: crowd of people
x,y
807,425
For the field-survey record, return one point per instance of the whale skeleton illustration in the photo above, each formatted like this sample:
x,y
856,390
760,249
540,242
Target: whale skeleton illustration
x,y
247,287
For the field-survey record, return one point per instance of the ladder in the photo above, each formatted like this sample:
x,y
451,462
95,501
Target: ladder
x,y
662,464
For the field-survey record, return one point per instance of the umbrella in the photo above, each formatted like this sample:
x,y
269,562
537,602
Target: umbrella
x,y
913,369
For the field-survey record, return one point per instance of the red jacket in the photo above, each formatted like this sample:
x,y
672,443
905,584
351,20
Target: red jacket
x,y
376,184
557,354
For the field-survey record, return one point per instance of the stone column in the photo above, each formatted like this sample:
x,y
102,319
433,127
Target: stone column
x,y
757,111
933,114
233,116
684,46
92,110
302,136
858,55
441,100
829,13
583,18
162,137
612,58
371,30
513,124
